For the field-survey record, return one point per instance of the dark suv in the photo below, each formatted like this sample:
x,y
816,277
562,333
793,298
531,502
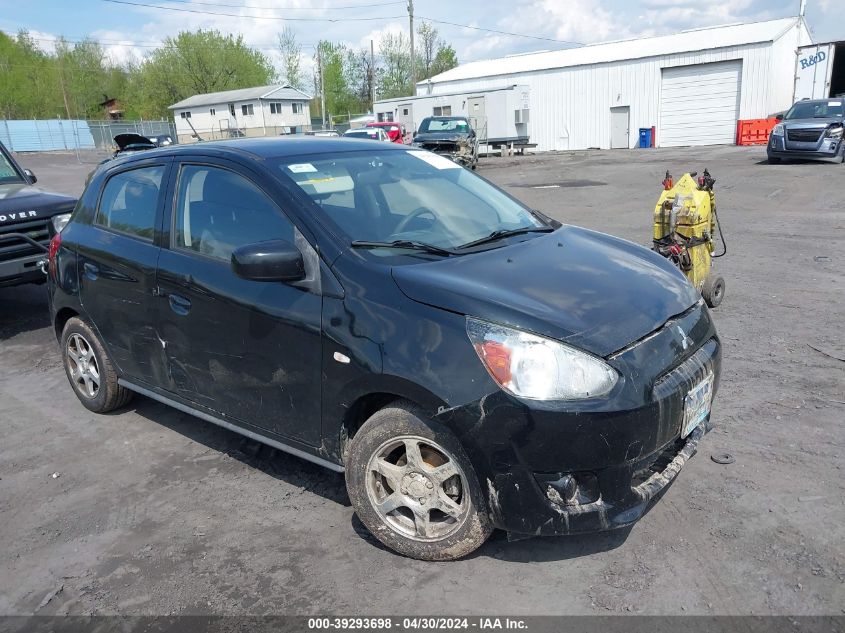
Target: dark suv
x,y
468,362
29,217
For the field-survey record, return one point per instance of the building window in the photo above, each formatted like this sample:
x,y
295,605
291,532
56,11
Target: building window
x,y
297,108
388,116
247,110
185,115
212,111
443,110
275,107
405,112
232,109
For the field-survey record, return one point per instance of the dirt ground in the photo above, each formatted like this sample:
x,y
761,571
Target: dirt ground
x,y
156,512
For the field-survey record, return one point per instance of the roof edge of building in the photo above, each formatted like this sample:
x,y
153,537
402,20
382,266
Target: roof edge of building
x,y
794,20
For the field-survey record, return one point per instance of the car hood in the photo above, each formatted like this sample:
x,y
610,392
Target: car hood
x,y
452,137
23,198
125,140
813,123
594,291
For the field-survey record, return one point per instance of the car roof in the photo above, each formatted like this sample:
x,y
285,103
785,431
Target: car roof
x,y
261,147
447,118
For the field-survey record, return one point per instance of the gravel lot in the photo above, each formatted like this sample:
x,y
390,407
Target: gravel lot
x,y
155,512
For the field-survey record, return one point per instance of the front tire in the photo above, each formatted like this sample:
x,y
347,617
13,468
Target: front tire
x,y
414,488
773,160
90,370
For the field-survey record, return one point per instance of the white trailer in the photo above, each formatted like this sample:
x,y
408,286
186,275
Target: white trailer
x,y
820,71
499,116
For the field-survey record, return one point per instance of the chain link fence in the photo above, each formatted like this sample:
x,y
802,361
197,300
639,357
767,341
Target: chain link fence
x,y
90,140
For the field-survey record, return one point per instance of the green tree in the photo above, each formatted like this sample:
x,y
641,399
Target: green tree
x,y
435,55
341,79
394,77
195,63
444,60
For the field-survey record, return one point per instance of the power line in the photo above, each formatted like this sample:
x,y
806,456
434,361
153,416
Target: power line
x,y
343,19
323,8
478,28
106,42
256,17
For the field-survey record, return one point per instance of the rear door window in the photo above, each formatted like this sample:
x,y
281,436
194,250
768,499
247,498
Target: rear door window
x,y
130,201
218,210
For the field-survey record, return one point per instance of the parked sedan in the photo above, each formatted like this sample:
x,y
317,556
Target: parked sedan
x,y
467,362
810,129
396,132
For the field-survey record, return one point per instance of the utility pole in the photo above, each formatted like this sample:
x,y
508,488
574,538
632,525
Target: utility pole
x,y
322,85
413,56
372,77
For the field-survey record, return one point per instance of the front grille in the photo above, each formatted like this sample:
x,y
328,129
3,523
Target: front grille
x,y
687,373
16,248
804,136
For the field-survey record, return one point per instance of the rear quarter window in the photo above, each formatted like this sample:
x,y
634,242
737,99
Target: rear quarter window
x,y
129,202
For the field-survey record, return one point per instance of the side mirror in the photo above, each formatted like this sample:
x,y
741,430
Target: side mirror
x,y
779,116
30,176
273,260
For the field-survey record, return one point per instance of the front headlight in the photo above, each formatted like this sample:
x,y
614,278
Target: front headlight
x,y
415,144
60,221
537,368
777,130
834,132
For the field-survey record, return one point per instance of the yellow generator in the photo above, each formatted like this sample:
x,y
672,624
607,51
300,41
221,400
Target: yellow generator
x,y
685,224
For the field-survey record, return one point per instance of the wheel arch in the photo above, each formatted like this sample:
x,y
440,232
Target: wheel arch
x,y
372,395
62,317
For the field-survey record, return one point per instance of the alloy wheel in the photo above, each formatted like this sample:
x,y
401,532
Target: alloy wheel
x,y
82,366
417,488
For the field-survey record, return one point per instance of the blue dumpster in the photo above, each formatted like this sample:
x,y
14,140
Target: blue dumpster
x,y
645,137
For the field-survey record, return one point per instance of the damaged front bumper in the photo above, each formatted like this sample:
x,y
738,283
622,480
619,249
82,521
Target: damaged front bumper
x,y
588,466
620,495
461,152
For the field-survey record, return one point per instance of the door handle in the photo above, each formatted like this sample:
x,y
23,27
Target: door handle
x,y
179,304
92,271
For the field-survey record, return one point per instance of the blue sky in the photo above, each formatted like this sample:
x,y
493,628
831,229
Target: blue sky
x,y
131,31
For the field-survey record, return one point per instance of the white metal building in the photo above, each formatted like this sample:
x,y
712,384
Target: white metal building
x,y
692,86
259,111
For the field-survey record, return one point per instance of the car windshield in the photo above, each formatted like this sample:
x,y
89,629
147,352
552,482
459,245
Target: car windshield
x,y
410,195
444,125
816,110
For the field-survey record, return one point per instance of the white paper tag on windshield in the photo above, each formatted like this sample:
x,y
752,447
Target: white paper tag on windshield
x,y
435,160
834,103
301,168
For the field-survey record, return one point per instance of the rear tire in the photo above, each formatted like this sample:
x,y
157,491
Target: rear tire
x,y
713,290
414,488
773,160
89,369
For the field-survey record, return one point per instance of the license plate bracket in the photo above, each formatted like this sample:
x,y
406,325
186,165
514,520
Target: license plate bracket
x,y
697,404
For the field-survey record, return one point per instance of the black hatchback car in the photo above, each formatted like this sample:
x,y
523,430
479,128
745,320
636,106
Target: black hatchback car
x,y
468,362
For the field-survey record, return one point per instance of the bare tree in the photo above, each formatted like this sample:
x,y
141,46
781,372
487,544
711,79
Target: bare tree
x,y
291,51
429,42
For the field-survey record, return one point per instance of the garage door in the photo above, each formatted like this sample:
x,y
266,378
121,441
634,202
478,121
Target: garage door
x,y
699,105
